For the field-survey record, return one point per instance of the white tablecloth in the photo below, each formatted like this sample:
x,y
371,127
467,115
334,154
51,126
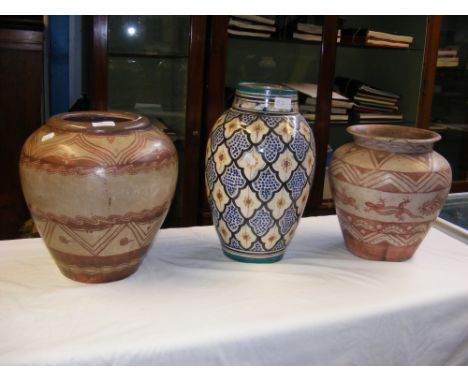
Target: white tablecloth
x,y
190,305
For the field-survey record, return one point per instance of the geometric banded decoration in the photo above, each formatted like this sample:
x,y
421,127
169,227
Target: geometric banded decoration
x,y
394,181
388,187
109,186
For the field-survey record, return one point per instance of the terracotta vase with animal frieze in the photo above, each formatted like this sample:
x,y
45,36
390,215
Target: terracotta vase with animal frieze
x,y
98,186
388,187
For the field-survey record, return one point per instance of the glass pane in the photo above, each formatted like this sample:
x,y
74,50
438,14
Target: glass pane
x,y
268,61
397,71
147,74
455,210
450,100
155,87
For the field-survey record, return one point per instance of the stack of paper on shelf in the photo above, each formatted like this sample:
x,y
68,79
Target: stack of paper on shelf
x,y
447,58
310,32
251,26
340,104
369,37
370,103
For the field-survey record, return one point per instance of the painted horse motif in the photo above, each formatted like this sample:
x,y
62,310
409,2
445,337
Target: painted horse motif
x,y
398,211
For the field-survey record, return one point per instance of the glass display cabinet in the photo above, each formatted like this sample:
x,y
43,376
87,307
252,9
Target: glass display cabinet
x,y
182,71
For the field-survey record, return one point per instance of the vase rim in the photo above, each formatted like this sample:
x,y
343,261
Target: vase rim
x,y
394,134
267,89
97,121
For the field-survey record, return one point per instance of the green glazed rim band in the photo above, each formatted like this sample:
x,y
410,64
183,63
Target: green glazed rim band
x,y
266,89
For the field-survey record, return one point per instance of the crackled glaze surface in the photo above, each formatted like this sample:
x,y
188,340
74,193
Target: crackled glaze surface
x,y
388,190
259,169
98,195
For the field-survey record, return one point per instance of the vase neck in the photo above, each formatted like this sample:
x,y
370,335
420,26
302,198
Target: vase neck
x,y
397,139
265,98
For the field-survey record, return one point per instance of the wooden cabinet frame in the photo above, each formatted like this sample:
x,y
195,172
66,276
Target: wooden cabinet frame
x,y
21,111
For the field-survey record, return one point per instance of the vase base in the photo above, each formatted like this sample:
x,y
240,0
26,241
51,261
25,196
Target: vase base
x,y
98,269
98,278
379,252
245,258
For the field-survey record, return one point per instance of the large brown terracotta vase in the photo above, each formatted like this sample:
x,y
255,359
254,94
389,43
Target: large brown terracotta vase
x,y
98,186
388,187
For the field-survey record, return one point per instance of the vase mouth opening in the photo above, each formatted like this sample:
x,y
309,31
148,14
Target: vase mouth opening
x,y
398,139
392,138
98,121
394,133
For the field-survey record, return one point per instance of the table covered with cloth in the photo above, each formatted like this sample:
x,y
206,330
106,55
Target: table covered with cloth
x,y
190,305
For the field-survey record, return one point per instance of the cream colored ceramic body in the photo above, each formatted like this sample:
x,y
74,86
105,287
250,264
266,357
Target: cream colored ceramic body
x,y
388,188
98,186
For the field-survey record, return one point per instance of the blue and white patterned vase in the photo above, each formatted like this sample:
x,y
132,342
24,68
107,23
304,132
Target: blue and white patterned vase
x,y
260,162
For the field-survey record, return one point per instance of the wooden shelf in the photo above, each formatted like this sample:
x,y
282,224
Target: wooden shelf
x,y
372,47
316,43
445,69
344,125
275,40
145,55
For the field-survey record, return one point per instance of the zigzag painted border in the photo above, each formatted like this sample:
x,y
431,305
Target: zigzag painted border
x,y
90,152
100,222
375,232
390,181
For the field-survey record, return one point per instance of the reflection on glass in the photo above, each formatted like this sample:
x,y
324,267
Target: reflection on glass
x,y
455,210
131,31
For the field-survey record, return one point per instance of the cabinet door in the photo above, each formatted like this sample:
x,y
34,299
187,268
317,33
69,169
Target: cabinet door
x,y
450,99
154,67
